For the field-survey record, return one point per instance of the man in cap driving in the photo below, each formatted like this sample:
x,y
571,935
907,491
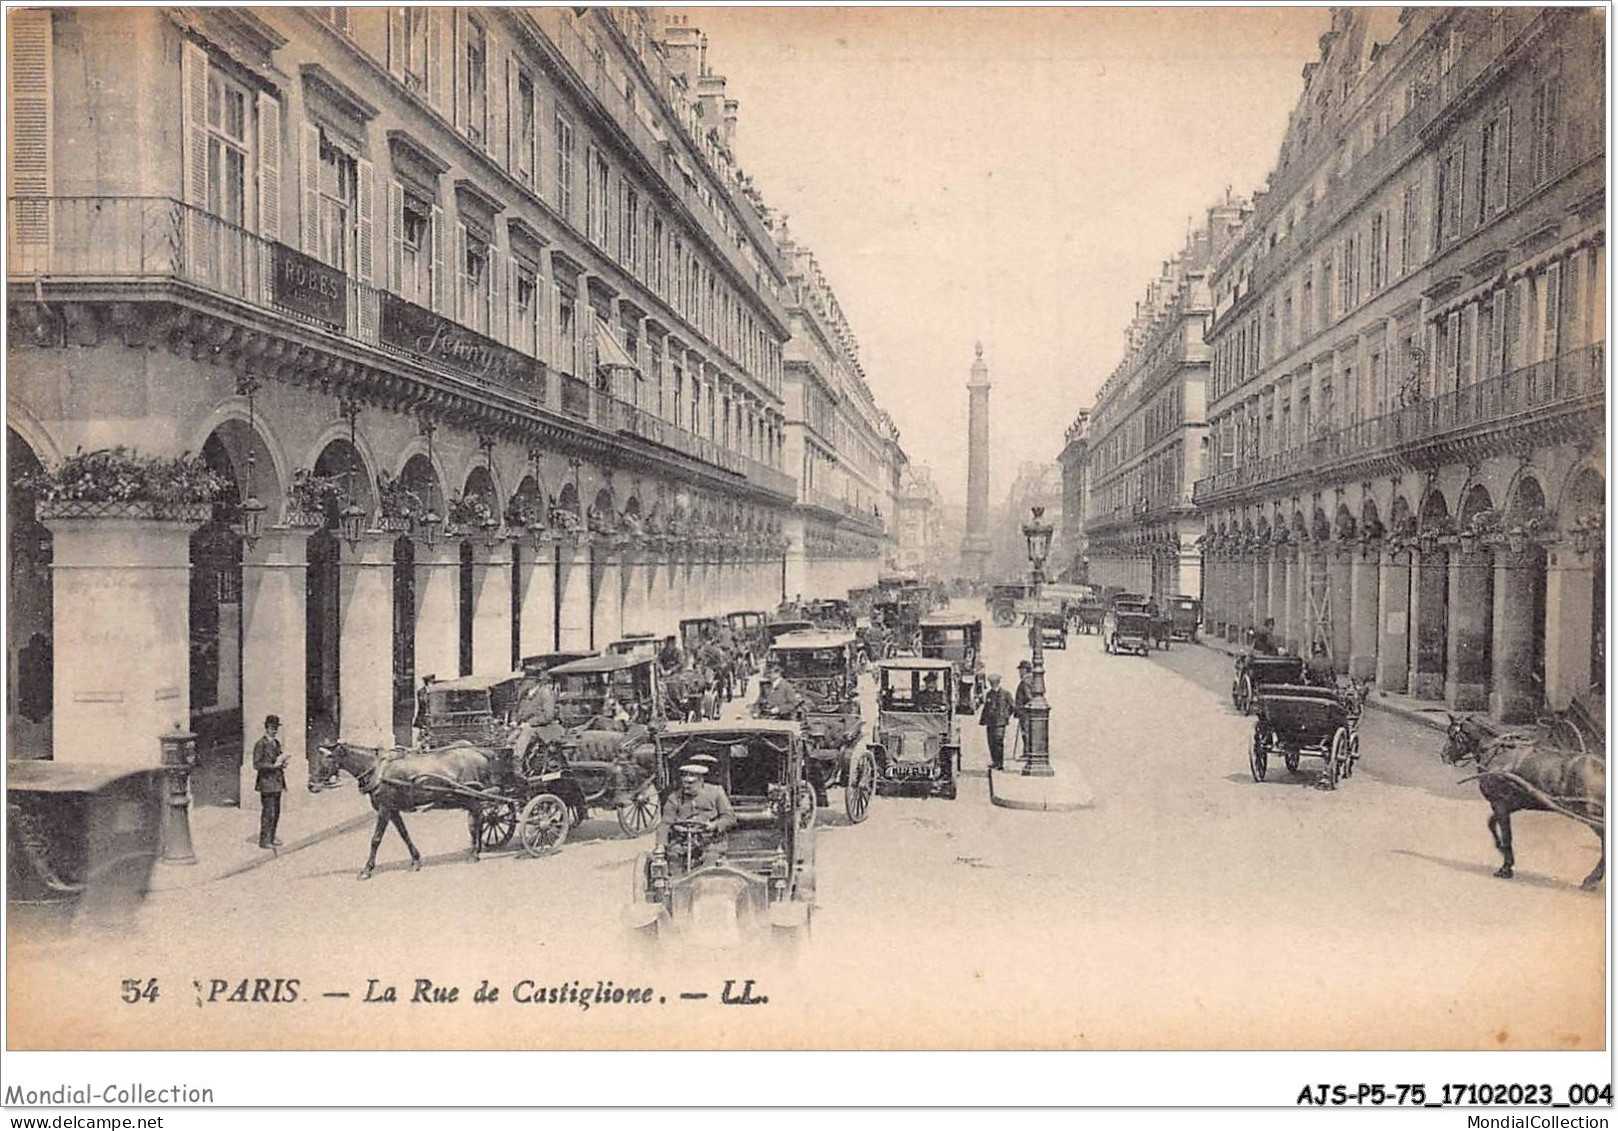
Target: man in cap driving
x,y
698,800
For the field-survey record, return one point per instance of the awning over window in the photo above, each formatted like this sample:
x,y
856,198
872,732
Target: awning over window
x,y
610,354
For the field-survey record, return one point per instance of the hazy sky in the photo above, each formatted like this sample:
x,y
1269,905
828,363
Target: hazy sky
x,y
1010,175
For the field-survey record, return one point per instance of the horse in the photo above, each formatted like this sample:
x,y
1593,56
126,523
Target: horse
x,y
1515,772
452,777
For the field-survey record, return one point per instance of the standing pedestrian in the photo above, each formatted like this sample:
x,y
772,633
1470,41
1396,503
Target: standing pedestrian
x,y
270,760
1025,695
998,709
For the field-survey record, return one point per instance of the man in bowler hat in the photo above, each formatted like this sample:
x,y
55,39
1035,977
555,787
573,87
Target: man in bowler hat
x,y
270,760
998,709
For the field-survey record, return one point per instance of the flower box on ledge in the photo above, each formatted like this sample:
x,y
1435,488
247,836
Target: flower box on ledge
x,y
398,524
108,508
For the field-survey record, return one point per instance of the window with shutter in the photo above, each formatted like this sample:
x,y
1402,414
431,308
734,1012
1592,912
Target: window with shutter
x,y
269,167
564,169
495,293
438,280
474,83
1552,319
524,141
28,131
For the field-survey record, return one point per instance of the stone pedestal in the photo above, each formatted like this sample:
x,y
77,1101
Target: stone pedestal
x,y
573,581
491,610
1393,627
1513,695
1471,608
365,645
1569,603
120,609
274,594
438,611
1364,570
1429,599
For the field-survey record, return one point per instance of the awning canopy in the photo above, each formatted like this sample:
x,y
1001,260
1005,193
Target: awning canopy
x,y
609,353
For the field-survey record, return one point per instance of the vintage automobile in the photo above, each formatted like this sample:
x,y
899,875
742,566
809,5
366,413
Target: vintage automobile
x,y
81,843
1185,617
860,601
829,614
1003,602
583,686
824,669
694,630
958,639
917,741
545,661
473,708
1090,615
897,627
779,628
642,644
1127,632
759,878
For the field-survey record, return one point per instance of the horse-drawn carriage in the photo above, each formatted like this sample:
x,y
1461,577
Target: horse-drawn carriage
x,y
1089,615
917,742
1297,720
1045,616
829,614
1255,670
81,842
897,624
718,891
1003,602
645,645
958,639
748,629
824,669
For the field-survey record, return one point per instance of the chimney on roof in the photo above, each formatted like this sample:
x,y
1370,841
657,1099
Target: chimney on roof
x,y
732,111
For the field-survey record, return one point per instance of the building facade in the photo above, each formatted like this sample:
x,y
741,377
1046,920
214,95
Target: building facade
x,y
1145,439
1408,363
1074,460
472,309
842,449
920,515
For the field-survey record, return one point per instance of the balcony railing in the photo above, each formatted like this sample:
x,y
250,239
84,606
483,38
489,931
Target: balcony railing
x,y
145,239
1561,381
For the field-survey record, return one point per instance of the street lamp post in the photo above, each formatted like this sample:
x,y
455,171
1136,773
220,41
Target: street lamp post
x,y
1037,751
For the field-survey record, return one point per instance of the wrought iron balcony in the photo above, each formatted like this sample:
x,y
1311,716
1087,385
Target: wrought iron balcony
x,y
1544,391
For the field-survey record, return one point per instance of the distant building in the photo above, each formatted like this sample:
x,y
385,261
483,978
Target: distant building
x,y
919,520
1074,565
1037,485
1133,456
1409,361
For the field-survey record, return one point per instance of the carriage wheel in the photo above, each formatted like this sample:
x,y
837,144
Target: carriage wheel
x,y
1292,758
1353,755
1336,756
861,788
543,824
1247,694
1258,755
499,825
639,813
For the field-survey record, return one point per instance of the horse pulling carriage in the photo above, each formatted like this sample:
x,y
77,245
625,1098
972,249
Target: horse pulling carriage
x,y
717,891
824,669
1298,720
593,755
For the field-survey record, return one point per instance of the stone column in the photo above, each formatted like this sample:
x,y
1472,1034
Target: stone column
x,y
1429,616
274,577
365,646
537,591
121,637
491,609
574,581
606,570
438,610
632,589
1471,608
1339,563
1292,623
1364,572
1393,629
1569,600
1189,580
1513,698
1274,592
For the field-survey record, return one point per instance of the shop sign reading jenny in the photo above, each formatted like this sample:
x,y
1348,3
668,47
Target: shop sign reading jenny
x,y
421,332
310,287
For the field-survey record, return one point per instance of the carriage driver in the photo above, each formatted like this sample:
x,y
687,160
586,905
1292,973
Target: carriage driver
x,y
697,800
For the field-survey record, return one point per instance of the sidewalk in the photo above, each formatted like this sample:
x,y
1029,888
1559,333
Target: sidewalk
x,y
225,839
1424,712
